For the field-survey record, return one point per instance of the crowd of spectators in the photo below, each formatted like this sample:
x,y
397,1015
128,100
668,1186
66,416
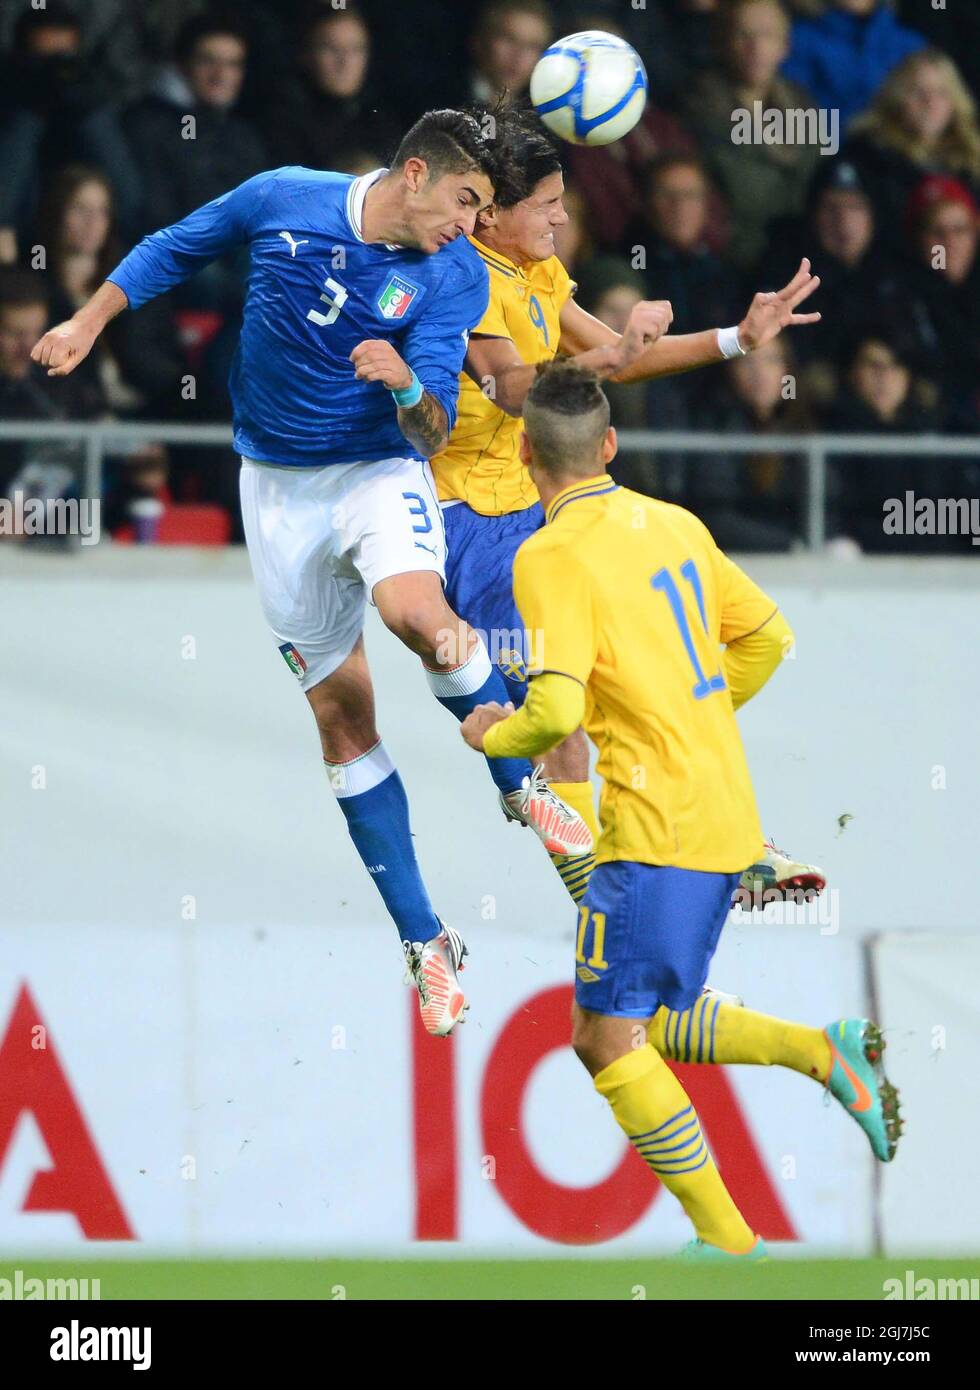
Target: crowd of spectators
x,y
118,118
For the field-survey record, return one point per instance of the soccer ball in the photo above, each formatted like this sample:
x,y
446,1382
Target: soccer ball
x,y
590,88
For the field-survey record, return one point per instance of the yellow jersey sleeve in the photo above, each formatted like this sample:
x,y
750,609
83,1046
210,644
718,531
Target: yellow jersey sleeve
x,y
554,708
749,661
744,606
557,603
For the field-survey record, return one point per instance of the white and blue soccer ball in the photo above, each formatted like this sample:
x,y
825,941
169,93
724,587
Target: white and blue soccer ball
x,y
589,88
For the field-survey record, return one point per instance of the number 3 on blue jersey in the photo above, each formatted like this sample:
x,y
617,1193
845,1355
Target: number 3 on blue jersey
x,y
665,582
336,298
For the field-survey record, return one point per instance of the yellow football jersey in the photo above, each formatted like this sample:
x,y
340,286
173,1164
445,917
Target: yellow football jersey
x,y
632,597
481,464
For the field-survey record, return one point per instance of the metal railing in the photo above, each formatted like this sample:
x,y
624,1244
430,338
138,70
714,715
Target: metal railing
x,y
814,449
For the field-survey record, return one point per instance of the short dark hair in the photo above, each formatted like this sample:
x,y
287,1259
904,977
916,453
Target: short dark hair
x,y
20,287
202,26
450,142
525,154
566,416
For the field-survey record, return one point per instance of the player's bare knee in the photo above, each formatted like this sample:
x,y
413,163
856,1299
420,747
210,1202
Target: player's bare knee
x,y
346,729
586,1040
568,761
415,624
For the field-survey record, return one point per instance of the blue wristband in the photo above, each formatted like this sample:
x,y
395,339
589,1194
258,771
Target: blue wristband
x,y
408,396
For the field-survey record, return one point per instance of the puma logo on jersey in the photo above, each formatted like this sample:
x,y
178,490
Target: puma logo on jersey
x,y
293,243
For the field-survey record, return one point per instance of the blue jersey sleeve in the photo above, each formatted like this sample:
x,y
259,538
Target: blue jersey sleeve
x,y
435,346
174,253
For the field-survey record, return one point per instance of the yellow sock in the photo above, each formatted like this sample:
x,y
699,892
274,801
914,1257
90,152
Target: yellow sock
x,y
575,870
717,1031
659,1120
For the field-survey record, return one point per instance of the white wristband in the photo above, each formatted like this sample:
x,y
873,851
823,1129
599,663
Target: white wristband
x,y
728,343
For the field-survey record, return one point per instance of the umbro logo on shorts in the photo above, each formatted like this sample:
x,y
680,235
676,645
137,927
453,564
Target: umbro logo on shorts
x,y
293,660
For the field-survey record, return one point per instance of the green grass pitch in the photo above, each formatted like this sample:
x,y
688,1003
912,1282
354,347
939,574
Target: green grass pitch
x,y
330,1279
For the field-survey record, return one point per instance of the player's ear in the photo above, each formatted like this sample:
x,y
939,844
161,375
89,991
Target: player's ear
x,y
525,448
415,172
609,445
488,216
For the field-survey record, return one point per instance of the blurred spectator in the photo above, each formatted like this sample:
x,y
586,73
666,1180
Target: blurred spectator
x,y
573,239
53,109
201,147
943,227
882,396
753,502
760,181
671,246
135,364
202,90
332,118
507,41
952,28
116,38
922,121
844,55
26,390
839,234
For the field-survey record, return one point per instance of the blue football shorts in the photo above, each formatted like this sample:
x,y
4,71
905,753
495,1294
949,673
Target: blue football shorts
x,y
480,583
646,937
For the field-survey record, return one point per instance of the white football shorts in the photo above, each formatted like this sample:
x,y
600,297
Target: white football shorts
x,y
319,539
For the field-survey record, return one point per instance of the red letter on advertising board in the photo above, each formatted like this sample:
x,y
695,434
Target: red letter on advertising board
x,y
31,1079
580,1215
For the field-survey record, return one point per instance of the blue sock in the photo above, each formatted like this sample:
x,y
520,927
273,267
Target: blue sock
x,y
478,682
369,791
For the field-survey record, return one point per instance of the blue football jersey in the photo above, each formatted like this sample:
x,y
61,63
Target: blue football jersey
x,y
316,290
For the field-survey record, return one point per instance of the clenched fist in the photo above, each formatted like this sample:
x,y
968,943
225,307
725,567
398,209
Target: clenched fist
x,y
64,346
479,720
376,360
648,321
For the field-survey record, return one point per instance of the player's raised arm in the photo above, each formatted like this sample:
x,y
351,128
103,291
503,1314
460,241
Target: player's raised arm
x,y
767,316
498,368
154,266
66,344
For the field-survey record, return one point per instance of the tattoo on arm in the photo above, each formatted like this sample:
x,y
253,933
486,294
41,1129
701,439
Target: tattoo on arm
x,y
425,425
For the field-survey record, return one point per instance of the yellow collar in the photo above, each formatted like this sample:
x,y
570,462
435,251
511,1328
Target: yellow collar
x,y
497,260
588,487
